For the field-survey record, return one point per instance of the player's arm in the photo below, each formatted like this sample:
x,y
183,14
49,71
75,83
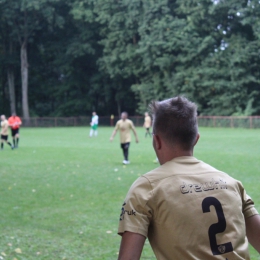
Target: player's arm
x,y
136,137
253,231
10,123
113,134
19,121
131,246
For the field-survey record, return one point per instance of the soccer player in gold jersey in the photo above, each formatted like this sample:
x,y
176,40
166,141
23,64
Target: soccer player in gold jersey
x,y
4,132
187,209
147,124
124,125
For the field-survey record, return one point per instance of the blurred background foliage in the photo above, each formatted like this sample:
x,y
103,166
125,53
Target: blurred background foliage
x,y
116,55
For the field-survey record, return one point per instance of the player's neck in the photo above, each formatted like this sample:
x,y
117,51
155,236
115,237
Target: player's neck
x,y
169,158
168,153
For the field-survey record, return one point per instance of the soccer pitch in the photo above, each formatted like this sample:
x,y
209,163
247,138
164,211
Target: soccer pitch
x,y
61,191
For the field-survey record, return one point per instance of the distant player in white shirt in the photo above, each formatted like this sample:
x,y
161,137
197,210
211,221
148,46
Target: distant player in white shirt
x,y
186,208
94,125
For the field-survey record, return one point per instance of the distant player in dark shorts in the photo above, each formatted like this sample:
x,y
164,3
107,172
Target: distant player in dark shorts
x,y
147,124
125,148
124,126
4,132
15,122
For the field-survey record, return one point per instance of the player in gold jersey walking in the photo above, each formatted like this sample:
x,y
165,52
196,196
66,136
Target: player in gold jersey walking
x,y
187,209
125,126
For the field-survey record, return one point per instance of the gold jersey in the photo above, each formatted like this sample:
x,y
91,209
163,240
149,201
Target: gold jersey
x,y
189,210
124,126
4,125
147,122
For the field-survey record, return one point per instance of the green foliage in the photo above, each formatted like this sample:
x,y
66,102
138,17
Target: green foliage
x,y
110,55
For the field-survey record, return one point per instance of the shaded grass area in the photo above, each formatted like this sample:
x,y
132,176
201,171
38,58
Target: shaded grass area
x,y
61,191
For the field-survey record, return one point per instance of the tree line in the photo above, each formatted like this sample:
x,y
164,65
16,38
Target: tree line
x,y
70,57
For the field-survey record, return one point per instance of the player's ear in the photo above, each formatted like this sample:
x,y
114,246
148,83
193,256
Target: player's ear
x,y
157,142
197,139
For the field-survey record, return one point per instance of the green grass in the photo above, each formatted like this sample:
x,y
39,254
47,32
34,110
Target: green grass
x,y
61,191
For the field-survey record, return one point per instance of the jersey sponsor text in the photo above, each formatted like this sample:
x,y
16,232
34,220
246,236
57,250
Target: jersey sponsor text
x,y
205,186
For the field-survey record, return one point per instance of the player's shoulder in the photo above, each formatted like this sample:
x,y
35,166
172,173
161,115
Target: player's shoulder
x,y
140,186
183,166
129,121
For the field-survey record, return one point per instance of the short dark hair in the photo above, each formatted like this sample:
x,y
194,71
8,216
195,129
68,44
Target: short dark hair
x,y
175,119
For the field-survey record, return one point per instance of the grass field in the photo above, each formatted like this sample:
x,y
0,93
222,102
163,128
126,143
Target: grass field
x,y
61,191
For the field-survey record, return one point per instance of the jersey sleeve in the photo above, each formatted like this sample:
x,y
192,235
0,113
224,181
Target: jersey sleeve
x,y
248,204
117,125
136,213
132,125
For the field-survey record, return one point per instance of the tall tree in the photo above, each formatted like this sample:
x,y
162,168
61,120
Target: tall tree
x,y
106,88
25,17
223,69
110,55
9,61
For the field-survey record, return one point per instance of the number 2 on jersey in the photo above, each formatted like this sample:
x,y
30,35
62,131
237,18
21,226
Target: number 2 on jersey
x,y
217,227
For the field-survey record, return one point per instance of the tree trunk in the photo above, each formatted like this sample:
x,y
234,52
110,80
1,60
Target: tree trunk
x,y
118,107
24,75
10,76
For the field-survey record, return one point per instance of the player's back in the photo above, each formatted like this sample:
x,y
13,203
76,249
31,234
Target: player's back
x,y
197,212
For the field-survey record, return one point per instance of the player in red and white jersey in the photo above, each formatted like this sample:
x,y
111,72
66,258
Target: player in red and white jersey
x,y
14,122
